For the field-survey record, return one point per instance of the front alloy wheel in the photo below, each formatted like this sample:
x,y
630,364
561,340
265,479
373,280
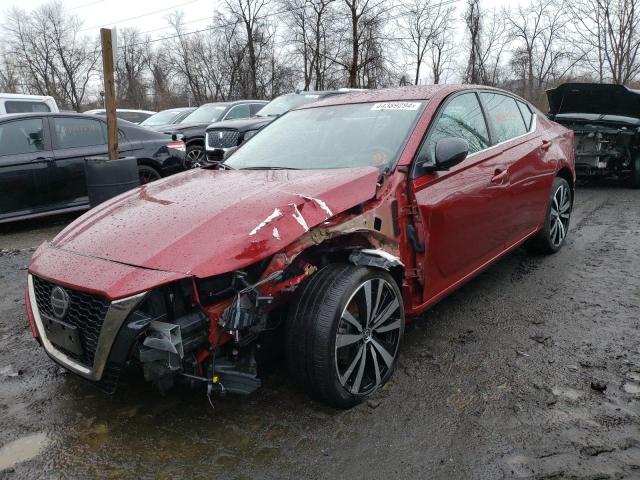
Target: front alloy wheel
x,y
368,337
343,333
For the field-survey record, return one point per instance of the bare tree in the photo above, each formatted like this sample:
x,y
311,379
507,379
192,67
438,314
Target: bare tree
x,y
607,32
364,19
131,68
441,52
473,27
310,30
421,22
539,29
250,14
50,56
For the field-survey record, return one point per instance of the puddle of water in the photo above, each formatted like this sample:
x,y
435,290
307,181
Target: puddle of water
x,y
22,449
633,388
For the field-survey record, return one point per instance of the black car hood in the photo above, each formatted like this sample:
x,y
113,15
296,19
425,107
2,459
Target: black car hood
x,y
182,127
597,98
243,124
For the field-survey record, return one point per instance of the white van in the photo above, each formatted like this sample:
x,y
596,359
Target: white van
x,y
17,103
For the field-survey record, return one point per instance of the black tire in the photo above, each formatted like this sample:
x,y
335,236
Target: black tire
x,y
548,239
634,179
323,311
195,156
148,174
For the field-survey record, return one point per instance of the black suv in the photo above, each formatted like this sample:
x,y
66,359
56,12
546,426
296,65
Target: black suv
x,y
223,135
191,129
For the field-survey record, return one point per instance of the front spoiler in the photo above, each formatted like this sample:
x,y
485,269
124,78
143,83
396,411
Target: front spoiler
x,y
117,313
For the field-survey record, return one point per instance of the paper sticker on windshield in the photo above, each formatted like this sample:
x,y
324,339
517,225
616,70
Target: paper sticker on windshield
x,y
312,96
396,106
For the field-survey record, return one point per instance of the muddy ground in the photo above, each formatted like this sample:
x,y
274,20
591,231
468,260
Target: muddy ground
x,y
494,382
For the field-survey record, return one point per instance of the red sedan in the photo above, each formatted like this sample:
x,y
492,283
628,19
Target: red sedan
x,y
322,235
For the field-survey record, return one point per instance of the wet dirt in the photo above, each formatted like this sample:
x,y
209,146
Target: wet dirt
x,y
496,381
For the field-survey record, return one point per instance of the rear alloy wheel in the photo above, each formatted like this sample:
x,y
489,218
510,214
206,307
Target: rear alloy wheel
x,y
344,332
551,238
195,157
148,174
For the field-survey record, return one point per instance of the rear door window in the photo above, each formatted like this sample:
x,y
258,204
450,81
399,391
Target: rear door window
x,y
71,132
504,115
22,106
21,136
461,117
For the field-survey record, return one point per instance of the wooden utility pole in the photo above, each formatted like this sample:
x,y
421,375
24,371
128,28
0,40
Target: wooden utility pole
x,y
109,92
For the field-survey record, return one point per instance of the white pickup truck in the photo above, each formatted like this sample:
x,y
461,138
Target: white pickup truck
x,y
18,103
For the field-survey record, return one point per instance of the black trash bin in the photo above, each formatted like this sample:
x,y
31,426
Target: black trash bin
x,y
108,178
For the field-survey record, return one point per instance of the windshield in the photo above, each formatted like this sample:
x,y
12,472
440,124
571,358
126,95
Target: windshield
x,y
338,136
161,118
205,114
284,103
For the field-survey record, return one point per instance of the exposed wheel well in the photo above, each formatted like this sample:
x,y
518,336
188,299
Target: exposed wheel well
x,y
150,163
339,250
565,173
196,141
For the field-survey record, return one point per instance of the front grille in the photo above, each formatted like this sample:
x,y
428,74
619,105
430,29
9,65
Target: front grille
x,y
85,311
222,138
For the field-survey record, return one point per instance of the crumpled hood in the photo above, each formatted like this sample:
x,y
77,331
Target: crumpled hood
x,y
206,222
596,98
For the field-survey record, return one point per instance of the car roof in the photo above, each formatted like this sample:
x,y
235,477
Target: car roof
x,y
234,102
20,96
395,94
50,114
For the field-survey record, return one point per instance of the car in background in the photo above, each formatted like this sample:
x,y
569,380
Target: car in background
x,y
17,103
42,160
133,116
192,128
321,236
166,118
226,134
605,120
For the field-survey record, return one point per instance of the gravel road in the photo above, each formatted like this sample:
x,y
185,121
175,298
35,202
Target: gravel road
x,y
532,370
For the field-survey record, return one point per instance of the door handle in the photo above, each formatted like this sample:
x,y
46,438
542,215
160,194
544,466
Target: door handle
x,y
546,145
500,176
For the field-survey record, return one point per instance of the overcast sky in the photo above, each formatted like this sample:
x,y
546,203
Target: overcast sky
x,y
150,16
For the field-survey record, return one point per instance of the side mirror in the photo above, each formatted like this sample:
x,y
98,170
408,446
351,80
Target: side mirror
x,y
450,151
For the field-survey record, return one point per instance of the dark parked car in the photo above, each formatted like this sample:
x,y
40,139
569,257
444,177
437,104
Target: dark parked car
x,y
167,118
605,120
42,160
191,129
133,116
225,134
322,235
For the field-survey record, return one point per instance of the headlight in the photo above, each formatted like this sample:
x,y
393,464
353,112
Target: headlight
x,y
249,134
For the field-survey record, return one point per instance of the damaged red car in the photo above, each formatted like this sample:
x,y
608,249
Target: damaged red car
x,y
320,237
